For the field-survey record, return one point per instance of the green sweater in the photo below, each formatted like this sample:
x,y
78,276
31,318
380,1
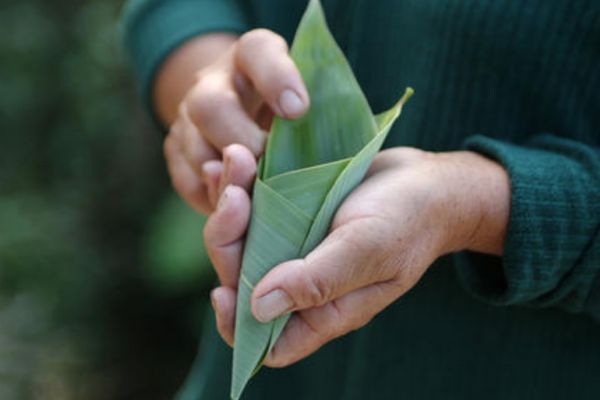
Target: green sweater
x,y
516,81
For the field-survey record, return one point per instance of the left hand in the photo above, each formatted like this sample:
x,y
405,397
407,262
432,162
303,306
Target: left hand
x,y
412,208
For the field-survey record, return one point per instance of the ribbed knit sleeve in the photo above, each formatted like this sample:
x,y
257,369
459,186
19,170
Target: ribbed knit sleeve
x,y
154,28
552,251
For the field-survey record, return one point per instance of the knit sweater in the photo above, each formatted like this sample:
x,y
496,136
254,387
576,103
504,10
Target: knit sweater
x,y
516,81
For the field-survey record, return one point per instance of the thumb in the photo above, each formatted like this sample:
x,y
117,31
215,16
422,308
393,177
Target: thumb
x,y
348,259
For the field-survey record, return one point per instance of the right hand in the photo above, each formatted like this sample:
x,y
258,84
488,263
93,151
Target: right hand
x,y
232,101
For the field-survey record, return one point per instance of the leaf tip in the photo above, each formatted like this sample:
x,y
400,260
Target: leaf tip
x,y
313,18
235,394
407,95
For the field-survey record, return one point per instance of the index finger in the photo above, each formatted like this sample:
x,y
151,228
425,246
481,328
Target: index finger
x,y
215,108
263,57
310,329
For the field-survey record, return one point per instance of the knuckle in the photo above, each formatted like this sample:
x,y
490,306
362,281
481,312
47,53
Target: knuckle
x,y
196,155
261,37
315,290
208,100
335,325
362,244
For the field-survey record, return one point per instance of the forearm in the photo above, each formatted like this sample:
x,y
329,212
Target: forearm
x,y
178,72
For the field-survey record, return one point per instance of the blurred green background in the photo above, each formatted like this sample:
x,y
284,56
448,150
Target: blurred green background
x,y
103,280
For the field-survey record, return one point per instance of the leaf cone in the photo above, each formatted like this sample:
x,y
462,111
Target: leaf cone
x,y
309,167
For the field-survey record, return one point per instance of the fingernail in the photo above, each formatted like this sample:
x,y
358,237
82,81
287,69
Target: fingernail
x,y
272,305
291,104
224,198
205,170
210,169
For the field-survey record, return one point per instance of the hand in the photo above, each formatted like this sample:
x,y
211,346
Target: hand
x,y
412,208
231,102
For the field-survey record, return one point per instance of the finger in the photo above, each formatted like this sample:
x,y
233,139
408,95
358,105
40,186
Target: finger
x,y
211,175
223,301
196,149
214,107
239,168
310,329
253,103
249,97
184,179
263,57
345,261
224,231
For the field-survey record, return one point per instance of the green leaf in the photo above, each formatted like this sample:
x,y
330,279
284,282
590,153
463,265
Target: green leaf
x,y
301,187
338,106
309,167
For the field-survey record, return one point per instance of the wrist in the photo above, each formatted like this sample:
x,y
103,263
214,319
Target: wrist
x,y
476,202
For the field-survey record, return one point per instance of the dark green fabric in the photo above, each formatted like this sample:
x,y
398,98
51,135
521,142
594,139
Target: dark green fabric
x,y
554,213
518,82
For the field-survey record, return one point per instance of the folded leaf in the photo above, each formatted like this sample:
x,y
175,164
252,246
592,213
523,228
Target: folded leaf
x,y
309,167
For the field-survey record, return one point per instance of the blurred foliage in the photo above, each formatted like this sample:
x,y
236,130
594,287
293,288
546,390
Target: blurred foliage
x,y
102,277
175,263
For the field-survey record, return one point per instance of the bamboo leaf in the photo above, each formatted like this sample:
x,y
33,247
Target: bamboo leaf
x,y
338,105
307,188
309,167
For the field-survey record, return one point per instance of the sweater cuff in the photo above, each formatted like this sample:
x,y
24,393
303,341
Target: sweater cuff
x,y
153,29
551,253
